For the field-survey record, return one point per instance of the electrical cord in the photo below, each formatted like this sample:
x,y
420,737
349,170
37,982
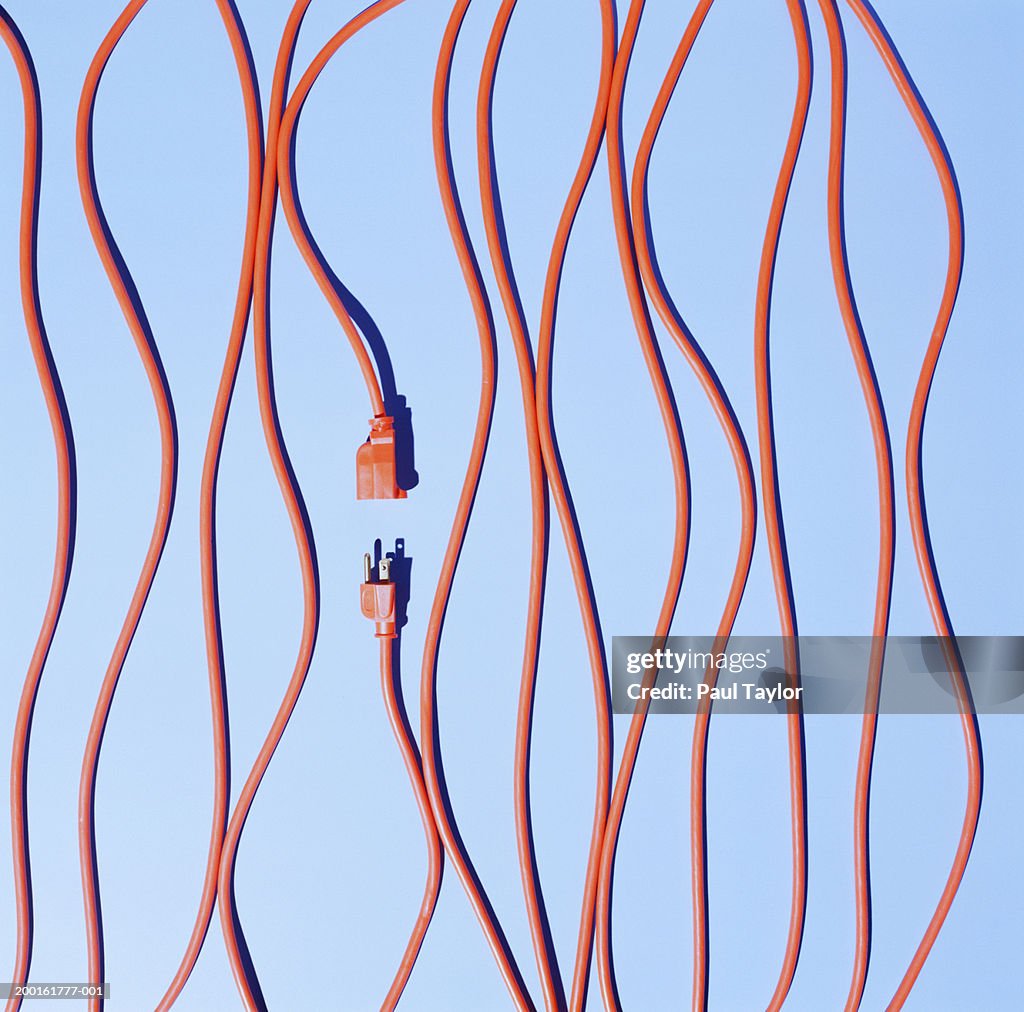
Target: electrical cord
x,y
551,984
435,853
429,742
248,986
680,480
377,599
560,495
63,443
289,200
639,270
915,484
886,495
773,519
208,498
543,457
376,464
278,152
127,299
709,382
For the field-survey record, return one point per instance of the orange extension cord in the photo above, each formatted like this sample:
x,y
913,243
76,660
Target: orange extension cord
x,y
773,521
886,496
551,984
666,406
567,521
744,474
540,446
168,470
429,743
208,498
64,450
289,201
292,498
915,484
435,854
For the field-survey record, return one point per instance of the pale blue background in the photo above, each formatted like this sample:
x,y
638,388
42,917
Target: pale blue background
x,y
331,865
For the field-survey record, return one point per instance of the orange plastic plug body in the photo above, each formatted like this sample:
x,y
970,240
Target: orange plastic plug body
x,y
376,473
377,598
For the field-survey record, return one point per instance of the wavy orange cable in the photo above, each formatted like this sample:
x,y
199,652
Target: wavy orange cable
x,y
551,984
289,201
666,406
168,468
886,495
540,437
563,505
773,520
435,854
63,445
293,503
428,679
915,484
745,477
208,499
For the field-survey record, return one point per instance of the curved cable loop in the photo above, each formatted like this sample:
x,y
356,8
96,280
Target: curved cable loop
x,y
719,401
207,504
64,452
680,482
238,955
915,484
771,495
134,314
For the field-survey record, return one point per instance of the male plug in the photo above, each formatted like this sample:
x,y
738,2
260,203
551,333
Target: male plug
x,y
377,597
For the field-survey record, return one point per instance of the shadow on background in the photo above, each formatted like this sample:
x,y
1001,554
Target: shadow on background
x,y
394,403
520,315
62,577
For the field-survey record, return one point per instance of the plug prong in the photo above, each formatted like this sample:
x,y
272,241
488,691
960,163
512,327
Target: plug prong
x,y
384,568
366,568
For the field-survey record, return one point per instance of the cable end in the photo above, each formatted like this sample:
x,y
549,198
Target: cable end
x,y
376,469
377,598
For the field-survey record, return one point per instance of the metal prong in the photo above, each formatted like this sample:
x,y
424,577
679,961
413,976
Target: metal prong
x,y
384,568
366,568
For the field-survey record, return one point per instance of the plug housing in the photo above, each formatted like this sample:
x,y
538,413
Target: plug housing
x,y
376,472
377,597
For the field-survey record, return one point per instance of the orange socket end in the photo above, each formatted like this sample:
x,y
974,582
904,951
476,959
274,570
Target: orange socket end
x,y
375,462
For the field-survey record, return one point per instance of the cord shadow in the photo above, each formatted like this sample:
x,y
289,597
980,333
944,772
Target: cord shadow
x,y
243,36
877,393
463,851
506,255
947,159
243,948
250,969
394,403
72,476
588,582
659,364
783,544
144,330
787,580
478,294
279,433
681,323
